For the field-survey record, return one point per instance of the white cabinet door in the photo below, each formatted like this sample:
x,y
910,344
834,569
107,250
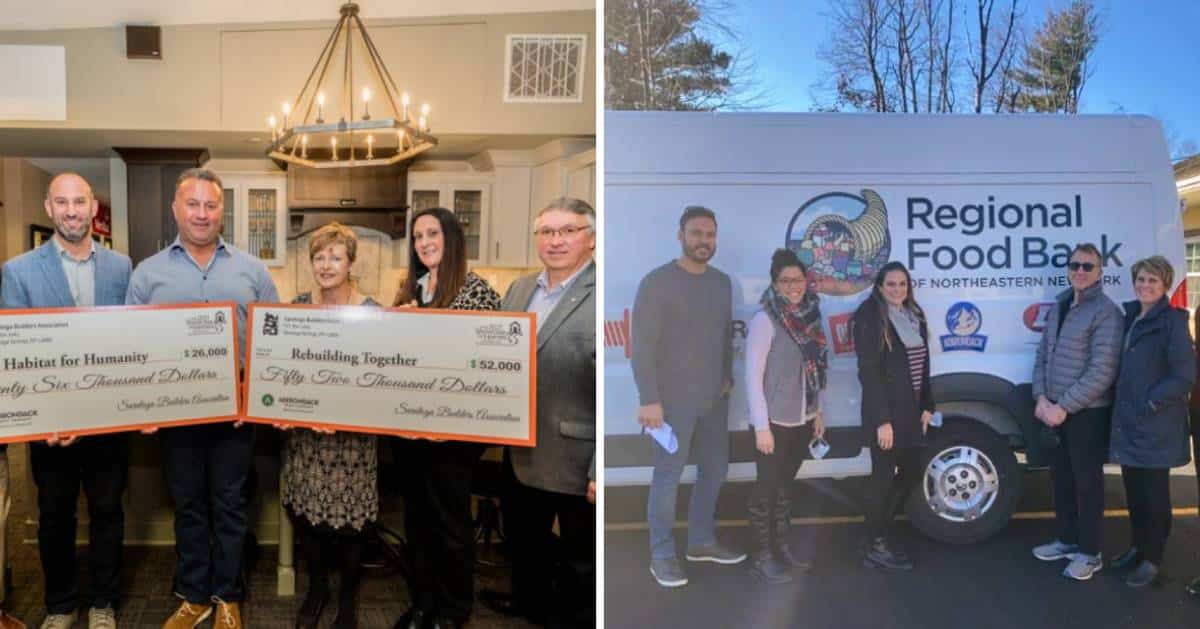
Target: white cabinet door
x,y
256,215
467,195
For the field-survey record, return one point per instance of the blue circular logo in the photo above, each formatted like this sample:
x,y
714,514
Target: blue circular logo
x,y
963,319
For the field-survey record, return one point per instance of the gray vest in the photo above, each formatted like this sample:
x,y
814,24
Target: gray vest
x,y
783,382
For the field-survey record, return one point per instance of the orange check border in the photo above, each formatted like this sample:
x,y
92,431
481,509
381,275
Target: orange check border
x,y
231,306
531,318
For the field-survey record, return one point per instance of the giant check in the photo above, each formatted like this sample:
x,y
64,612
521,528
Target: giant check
x,y
447,374
94,370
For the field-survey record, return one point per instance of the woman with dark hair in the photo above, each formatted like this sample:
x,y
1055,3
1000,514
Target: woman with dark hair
x,y
786,361
891,340
437,492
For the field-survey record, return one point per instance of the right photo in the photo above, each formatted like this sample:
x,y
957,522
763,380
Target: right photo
x,y
899,302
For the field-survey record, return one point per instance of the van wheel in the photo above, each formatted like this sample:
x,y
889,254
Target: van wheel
x,y
969,484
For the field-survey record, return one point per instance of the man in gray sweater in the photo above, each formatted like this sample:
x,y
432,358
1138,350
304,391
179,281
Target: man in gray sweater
x,y
682,355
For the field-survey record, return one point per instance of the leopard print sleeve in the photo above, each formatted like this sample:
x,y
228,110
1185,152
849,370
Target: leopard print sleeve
x,y
476,294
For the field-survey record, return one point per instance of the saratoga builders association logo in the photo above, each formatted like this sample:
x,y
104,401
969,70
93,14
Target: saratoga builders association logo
x,y
843,239
499,333
963,320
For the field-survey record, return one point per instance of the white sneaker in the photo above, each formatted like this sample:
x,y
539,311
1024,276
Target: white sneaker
x,y
59,621
102,618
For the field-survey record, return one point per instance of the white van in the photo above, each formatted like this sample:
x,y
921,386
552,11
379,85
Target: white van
x,y
983,210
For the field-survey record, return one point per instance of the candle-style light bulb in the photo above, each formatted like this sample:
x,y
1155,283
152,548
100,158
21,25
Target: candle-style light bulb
x,y
370,147
421,124
400,141
425,117
271,123
287,109
320,107
333,147
304,146
404,104
366,94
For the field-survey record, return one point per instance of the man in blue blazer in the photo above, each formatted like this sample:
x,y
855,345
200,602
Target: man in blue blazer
x,y
72,271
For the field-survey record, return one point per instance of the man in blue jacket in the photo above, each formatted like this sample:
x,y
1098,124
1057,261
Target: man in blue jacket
x,y
71,271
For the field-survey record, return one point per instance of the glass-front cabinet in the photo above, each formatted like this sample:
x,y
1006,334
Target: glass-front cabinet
x,y
256,215
464,194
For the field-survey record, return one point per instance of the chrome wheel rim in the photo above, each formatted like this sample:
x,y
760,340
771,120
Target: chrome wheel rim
x,y
961,483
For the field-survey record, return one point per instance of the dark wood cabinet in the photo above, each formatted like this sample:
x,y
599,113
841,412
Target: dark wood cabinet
x,y
151,175
364,187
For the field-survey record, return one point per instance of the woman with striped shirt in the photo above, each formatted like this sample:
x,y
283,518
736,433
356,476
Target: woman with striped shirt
x,y
891,341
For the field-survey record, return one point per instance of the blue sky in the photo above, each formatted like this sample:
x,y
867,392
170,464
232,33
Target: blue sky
x,y
1148,59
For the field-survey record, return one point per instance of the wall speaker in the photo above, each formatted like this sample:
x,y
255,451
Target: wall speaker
x,y
143,42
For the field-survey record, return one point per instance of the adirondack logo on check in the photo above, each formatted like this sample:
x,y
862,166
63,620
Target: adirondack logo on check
x,y
268,400
270,324
206,324
499,334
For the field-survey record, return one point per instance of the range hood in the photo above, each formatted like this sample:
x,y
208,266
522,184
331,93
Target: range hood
x,y
372,197
392,222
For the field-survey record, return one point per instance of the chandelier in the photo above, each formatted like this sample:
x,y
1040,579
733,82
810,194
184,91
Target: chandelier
x,y
320,138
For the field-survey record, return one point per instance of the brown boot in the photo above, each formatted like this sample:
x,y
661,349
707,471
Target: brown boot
x,y
188,615
229,616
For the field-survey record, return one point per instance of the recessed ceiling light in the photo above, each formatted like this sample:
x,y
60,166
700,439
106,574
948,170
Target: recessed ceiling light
x,y
255,140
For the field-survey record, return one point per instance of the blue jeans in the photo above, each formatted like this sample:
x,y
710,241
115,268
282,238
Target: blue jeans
x,y
704,435
207,468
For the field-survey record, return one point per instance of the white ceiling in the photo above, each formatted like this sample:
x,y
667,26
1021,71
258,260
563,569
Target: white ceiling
x,y
60,14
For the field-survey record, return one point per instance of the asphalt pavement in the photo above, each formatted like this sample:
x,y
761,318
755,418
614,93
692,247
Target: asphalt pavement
x,y
995,584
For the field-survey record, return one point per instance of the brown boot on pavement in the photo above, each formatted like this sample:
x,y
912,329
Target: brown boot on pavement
x,y
188,615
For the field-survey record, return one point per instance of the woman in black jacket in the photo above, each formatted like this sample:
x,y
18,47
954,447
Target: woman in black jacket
x,y
891,341
1150,414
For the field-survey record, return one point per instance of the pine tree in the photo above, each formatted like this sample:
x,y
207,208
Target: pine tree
x,y
656,57
1056,67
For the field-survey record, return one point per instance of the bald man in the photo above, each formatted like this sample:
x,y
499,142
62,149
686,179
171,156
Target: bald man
x,y
71,271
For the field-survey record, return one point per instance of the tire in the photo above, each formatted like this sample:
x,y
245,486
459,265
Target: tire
x,y
981,498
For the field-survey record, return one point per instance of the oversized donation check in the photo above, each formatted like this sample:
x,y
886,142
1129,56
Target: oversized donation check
x,y
95,370
447,374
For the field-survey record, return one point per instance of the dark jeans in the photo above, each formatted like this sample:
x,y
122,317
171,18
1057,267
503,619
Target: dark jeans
x,y
1148,494
101,465
1077,471
438,525
207,467
893,474
553,579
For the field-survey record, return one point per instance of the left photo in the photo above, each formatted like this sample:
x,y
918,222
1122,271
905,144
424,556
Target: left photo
x,y
297,315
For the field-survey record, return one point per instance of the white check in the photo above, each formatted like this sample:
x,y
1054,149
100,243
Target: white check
x,y
95,370
447,374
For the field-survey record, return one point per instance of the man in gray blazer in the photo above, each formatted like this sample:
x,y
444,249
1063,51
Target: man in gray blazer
x,y
72,271
553,581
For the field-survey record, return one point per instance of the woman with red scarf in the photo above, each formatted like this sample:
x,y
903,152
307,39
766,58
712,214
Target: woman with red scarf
x,y
786,362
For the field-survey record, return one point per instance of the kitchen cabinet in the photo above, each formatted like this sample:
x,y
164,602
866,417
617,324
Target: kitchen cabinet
x,y
256,215
468,195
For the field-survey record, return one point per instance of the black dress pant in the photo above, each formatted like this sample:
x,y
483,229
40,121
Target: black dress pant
x,y
1077,472
438,525
101,465
893,474
1148,494
553,579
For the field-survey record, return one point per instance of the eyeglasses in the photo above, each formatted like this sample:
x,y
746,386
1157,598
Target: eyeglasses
x,y
792,283
566,232
1087,267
